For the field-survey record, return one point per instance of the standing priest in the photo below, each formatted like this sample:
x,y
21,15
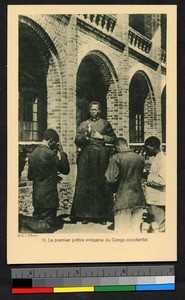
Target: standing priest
x,y
93,201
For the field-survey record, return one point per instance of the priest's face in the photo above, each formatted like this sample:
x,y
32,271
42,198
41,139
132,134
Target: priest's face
x,y
94,111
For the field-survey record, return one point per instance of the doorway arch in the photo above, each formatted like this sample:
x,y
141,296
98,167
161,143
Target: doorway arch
x,y
96,81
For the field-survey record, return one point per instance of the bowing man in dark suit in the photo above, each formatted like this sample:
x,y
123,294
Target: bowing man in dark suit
x,y
44,165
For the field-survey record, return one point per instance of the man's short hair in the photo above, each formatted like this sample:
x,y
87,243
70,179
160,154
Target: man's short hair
x,y
94,102
51,134
153,141
121,141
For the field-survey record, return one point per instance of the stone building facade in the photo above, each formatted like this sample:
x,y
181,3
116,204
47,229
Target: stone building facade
x,y
66,61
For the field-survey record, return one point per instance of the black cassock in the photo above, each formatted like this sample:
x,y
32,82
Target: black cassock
x,y
92,198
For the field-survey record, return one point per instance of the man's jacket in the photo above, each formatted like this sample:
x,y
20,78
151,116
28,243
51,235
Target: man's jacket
x,y
44,166
125,171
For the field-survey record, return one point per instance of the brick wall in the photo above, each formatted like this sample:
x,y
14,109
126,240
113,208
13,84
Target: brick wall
x,y
72,45
108,61
69,44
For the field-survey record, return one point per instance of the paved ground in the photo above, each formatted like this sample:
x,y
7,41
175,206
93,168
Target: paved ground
x,y
84,228
67,226
130,224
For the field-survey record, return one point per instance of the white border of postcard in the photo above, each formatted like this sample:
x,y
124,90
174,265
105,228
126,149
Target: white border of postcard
x,y
49,248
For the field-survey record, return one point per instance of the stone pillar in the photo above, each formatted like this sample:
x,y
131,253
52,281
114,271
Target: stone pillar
x,y
71,87
71,70
54,96
153,31
123,73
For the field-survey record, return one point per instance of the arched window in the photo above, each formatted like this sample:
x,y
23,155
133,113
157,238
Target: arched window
x,y
140,107
33,67
32,110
